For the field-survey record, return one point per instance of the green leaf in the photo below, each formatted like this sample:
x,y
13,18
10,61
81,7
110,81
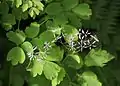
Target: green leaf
x,y
98,58
33,30
89,78
74,19
36,11
38,4
18,3
37,42
36,68
69,4
51,70
60,77
46,36
82,10
38,81
73,61
60,19
31,12
17,12
25,7
4,8
8,19
53,28
16,37
27,47
16,55
65,82
30,4
70,31
53,8
7,27
55,54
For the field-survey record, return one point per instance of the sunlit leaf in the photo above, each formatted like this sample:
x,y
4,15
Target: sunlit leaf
x,y
60,77
16,55
25,7
98,58
89,78
27,47
70,31
18,3
36,67
51,70
55,54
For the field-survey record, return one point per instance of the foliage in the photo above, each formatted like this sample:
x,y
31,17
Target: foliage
x,y
43,38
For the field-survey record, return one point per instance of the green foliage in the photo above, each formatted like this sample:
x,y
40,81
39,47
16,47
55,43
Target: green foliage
x,y
16,37
40,33
16,55
88,78
53,69
27,47
53,8
82,10
33,30
98,58
36,67
73,61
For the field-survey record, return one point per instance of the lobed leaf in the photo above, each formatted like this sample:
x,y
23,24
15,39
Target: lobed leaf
x,y
69,4
51,70
16,55
53,8
16,37
33,30
98,58
36,68
89,78
82,10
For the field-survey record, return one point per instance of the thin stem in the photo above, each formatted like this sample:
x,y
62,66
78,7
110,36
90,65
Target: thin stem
x,y
43,22
18,25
